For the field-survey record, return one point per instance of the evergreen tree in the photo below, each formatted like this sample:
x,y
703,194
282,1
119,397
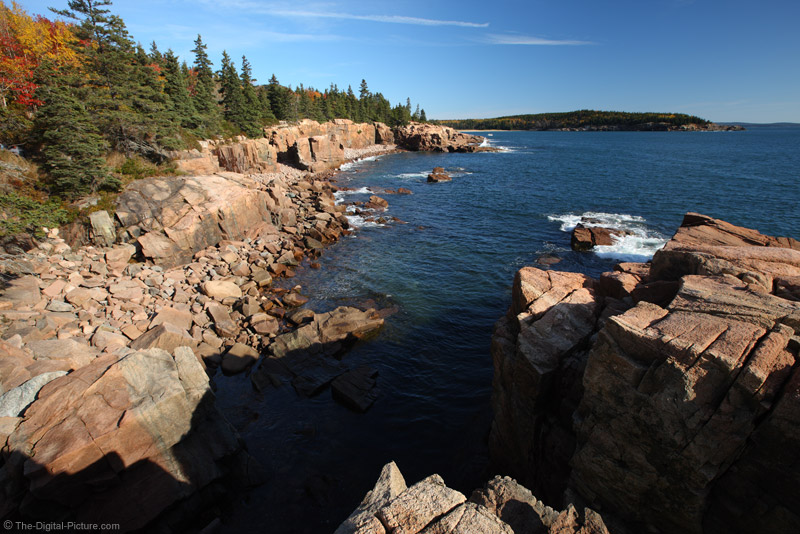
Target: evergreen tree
x,y
265,106
72,149
276,100
204,98
422,116
231,91
176,88
251,114
119,89
155,54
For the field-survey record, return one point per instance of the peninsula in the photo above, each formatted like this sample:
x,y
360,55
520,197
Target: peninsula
x,y
591,120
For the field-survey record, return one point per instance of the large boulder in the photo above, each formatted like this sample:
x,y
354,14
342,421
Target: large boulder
x,y
118,441
181,215
588,237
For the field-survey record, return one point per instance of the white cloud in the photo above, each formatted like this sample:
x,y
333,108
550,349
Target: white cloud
x,y
393,19
530,40
282,11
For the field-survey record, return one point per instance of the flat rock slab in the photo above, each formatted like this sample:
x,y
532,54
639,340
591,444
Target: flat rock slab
x,y
76,353
23,291
180,318
165,336
14,402
238,358
356,389
224,325
312,372
221,289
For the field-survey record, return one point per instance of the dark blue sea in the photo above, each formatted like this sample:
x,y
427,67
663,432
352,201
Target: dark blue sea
x,y
448,267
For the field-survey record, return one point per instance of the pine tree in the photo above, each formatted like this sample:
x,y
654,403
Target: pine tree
x,y
422,116
265,106
275,100
176,88
72,149
204,98
231,91
120,89
252,114
364,109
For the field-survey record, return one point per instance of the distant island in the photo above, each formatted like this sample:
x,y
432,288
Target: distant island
x,y
591,120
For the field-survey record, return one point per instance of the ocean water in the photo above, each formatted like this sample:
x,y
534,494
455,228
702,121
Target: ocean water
x,y
447,270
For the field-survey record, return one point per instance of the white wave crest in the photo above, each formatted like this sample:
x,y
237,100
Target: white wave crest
x,y
357,221
339,195
357,162
410,175
595,218
639,243
486,142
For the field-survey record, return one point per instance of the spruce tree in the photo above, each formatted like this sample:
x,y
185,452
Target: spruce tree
x,y
176,88
252,115
205,101
231,91
72,149
274,95
119,88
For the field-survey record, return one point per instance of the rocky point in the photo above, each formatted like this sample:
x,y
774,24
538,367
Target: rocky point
x,y
668,393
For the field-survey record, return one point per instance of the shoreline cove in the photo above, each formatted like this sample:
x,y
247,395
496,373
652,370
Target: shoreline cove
x,y
394,363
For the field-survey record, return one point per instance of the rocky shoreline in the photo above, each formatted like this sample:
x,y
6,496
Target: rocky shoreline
x,y
106,348
663,395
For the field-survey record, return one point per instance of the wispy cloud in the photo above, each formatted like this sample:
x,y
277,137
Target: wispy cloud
x,y
513,39
392,19
282,11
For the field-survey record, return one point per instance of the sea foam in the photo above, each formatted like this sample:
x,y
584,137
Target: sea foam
x,y
339,195
639,245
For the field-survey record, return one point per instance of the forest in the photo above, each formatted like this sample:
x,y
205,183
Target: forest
x,y
89,108
575,119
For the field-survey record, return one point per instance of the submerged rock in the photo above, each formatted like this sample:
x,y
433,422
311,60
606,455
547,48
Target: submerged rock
x,y
356,389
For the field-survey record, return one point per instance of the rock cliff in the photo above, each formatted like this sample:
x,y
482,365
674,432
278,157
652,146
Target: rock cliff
x,y
666,393
429,507
307,145
436,138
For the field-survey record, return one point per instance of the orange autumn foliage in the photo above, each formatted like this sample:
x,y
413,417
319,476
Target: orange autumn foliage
x,y
26,43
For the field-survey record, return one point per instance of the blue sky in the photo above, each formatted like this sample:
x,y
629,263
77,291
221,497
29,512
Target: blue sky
x,y
725,60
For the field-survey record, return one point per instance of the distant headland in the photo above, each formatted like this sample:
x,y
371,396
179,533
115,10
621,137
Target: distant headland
x,y
591,120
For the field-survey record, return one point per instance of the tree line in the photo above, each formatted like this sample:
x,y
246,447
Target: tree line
x,y
575,119
74,88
